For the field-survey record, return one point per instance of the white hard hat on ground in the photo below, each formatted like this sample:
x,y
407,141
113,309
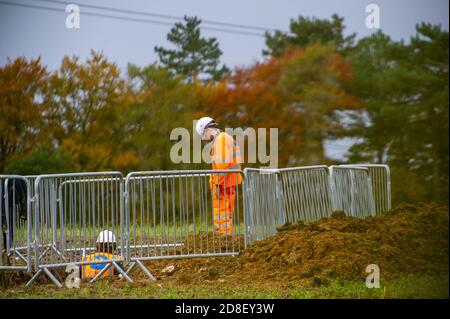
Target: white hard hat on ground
x,y
106,236
202,124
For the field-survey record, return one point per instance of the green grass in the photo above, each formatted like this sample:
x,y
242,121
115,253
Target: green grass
x,y
404,287
147,230
75,236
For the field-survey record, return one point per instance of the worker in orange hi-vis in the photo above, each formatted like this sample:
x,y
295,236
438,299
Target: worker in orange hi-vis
x,y
225,154
105,251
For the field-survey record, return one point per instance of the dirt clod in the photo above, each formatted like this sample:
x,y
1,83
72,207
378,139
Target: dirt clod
x,y
169,270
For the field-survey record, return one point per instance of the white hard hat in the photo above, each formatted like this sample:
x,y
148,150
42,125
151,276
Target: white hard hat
x,y
106,236
202,124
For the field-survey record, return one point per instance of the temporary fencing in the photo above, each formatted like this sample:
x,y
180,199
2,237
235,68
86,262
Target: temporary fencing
x,y
70,211
15,223
278,196
351,189
380,176
174,214
263,202
306,193
288,195
52,221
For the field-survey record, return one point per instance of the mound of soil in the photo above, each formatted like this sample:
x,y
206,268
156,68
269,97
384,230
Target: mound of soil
x,y
211,242
406,240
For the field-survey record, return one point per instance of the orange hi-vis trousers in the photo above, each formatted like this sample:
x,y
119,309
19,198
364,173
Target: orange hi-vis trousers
x,y
223,204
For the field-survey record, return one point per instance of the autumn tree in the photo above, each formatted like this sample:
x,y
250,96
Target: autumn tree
x,y
23,107
249,99
193,56
298,92
88,101
164,102
315,83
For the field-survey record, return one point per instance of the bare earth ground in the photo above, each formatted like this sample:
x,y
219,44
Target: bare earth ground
x,y
324,259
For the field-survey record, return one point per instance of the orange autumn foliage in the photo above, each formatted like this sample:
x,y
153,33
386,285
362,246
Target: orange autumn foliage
x,y
298,93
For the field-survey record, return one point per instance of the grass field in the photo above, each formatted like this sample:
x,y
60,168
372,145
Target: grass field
x,y
405,287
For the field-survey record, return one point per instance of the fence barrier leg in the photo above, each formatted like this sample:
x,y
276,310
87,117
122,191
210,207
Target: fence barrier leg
x,y
52,278
145,270
123,273
53,247
130,269
33,278
105,269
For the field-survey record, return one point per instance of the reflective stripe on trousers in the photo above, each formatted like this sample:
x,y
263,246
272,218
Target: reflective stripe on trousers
x,y
223,203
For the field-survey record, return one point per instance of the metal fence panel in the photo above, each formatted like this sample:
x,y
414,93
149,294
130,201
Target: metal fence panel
x,y
380,176
51,221
31,179
171,214
71,210
264,203
306,193
277,196
15,223
352,191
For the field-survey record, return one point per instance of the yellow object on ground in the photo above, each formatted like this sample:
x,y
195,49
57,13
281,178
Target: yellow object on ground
x,y
92,270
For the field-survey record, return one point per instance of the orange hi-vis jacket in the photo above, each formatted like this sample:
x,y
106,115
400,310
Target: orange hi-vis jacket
x,y
92,270
225,154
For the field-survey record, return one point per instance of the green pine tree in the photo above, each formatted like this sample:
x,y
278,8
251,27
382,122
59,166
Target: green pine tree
x,y
193,56
404,90
305,31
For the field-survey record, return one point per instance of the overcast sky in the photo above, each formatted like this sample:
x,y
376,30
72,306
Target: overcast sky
x,y
33,32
